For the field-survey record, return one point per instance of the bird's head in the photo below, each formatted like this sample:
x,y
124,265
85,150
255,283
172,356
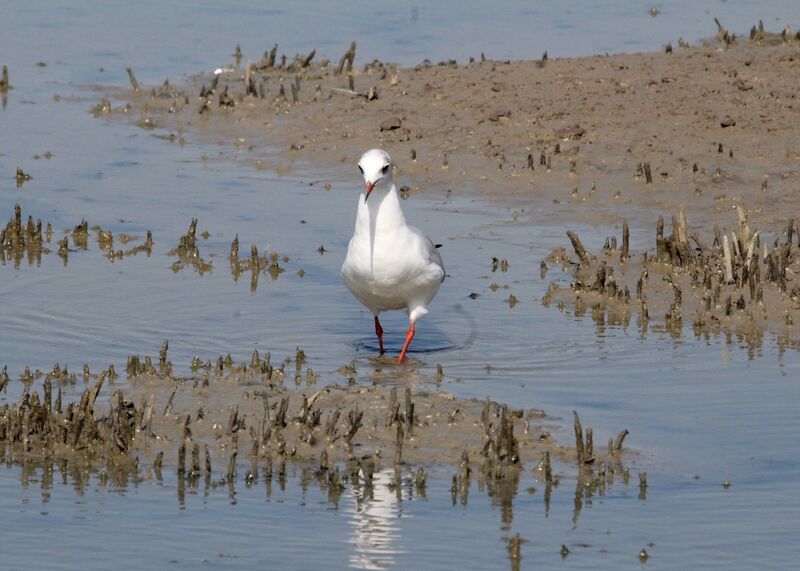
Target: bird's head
x,y
376,167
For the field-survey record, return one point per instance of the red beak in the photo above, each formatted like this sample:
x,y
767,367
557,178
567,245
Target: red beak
x,y
367,189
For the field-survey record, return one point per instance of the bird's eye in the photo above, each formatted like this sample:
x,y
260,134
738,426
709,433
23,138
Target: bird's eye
x,y
385,169
359,168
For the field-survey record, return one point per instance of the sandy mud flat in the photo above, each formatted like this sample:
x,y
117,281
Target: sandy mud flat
x,y
703,137
232,421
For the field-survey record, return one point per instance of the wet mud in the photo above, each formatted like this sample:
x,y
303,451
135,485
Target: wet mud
x,y
513,131
233,422
22,239
188,254
737,284
26,240
602,140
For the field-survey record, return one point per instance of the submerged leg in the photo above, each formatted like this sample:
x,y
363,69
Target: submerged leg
x,y
409,337
379,333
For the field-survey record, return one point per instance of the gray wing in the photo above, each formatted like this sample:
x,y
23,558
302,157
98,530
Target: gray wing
x,y
434,257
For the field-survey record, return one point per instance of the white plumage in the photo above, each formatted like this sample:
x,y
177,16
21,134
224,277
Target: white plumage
x,y
389,264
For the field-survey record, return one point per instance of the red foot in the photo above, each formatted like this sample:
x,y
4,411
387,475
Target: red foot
x,y
379,333
409,337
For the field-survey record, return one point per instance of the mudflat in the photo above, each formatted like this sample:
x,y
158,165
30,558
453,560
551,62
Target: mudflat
x,y
700,136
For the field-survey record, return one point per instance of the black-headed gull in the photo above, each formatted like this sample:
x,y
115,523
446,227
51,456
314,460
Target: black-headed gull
x,y
389,264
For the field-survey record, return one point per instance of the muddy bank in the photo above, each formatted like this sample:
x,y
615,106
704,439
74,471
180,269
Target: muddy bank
x,y
566,137
604,140
232,421
734,284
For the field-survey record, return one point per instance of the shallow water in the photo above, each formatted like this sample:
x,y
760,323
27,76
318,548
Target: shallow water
x,y
301,529
696,407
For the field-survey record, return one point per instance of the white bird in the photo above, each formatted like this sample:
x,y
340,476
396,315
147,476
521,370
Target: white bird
x,y
389,264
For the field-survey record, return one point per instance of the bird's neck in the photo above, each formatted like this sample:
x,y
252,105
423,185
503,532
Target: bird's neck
x,y
382,213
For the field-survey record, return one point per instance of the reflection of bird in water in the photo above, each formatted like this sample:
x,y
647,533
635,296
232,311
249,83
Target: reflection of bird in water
x,y
373,519
389,264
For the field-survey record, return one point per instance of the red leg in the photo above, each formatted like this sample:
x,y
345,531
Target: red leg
x,y
409,337
379,333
